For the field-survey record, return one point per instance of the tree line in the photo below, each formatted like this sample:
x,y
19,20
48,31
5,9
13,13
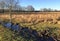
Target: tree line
x,y
14,5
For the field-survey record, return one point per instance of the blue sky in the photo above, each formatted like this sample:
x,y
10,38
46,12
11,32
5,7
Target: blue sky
x,y
38,4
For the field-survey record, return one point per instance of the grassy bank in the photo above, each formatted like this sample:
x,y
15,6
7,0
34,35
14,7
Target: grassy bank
x,y
53,30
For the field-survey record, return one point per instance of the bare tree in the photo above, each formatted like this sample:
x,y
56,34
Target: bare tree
x,y
10,4
2,5
30,8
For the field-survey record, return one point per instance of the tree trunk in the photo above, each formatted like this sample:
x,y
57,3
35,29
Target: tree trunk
x,y
10,13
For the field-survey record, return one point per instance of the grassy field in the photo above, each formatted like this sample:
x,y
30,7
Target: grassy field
x,y
8,35
31,16
36,22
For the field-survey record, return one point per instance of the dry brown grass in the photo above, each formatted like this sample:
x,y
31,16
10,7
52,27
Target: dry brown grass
x,y
32,17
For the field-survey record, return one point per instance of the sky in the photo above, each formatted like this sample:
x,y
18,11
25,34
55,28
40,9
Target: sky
x,y
38,4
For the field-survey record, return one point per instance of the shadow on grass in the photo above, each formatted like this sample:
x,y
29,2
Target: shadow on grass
x,y
27,33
